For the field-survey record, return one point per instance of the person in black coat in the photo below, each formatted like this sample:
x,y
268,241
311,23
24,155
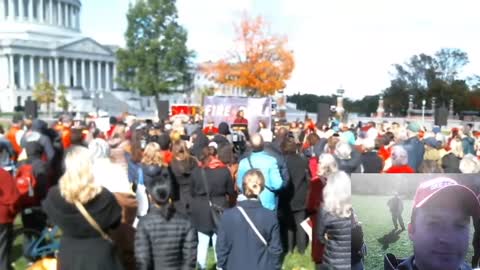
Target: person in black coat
x,y
164,239
334,222
182,167
238,246
220,186
36,219
82,246
371,162
292,200
451,161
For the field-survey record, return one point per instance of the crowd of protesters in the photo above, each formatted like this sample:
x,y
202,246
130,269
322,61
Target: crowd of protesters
x,y
145,195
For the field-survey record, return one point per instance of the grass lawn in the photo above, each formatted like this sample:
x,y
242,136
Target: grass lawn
x,y
374,214
293,261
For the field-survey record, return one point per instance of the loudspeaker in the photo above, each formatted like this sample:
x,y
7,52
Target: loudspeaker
x,y
323,114
441,116
163,107
31,109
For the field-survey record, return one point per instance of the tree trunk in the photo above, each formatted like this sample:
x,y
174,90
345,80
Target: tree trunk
x,y
48,110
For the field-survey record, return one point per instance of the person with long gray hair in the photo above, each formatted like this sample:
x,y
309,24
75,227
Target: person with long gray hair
x,y
334,222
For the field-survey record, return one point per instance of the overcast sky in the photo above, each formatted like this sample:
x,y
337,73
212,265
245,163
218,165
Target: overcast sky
x,y
348,43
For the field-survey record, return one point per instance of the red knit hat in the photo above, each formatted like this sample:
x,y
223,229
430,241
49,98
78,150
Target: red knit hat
x,y
449,188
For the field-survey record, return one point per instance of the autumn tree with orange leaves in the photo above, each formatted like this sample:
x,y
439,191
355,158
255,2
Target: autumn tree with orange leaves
x,y
260,64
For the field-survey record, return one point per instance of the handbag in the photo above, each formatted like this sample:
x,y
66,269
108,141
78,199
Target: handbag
x,y
141,194
216,211
92,221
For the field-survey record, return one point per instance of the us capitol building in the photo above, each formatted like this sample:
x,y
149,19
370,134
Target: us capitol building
x,y
44,37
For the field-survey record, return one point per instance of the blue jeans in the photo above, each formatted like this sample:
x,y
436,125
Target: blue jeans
x,y
202,248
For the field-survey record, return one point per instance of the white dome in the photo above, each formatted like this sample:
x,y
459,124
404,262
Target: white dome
x,y
27,19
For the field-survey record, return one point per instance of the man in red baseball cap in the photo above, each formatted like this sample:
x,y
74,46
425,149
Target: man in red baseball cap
x,y
440,226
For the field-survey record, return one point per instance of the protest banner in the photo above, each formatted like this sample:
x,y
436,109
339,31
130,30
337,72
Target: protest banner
x,y
224,109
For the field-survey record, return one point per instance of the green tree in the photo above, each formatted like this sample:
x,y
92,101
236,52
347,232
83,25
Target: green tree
x,y
426,76
44,93
156,59
62,101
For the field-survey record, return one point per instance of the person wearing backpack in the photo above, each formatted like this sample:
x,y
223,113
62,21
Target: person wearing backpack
x,y
36,133
268,165
8,210
258,246
32,183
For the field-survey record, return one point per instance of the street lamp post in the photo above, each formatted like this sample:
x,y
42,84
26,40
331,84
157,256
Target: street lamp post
x,y
424,102
96,96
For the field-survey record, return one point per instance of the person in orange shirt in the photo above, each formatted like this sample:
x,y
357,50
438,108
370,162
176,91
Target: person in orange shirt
x,y
14,135
64,128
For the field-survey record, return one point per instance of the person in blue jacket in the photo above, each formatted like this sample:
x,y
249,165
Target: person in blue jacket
x,y
249,234
267,164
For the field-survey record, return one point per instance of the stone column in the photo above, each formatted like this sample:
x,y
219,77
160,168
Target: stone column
x,y
108,85
41,13
83,75
340,109
99,75
30,11
2,11
59,14
77,18
57,71
380,109
410,105
51,78
32,71
74,72
21,10
66,73
21,72
11,10
50,9
11,70
41,68
114,79
450,108
91,79
65,12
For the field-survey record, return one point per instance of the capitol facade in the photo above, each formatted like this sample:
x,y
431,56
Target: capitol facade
x,y
43,38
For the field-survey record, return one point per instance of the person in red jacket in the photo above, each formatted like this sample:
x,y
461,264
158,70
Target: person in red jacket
x,y
210,129
8,209
14,133
240,118
399,161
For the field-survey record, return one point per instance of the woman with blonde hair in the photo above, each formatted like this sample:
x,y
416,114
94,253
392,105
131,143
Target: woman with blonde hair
x,y
83,246
334,222
119,145
155,167
260,241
